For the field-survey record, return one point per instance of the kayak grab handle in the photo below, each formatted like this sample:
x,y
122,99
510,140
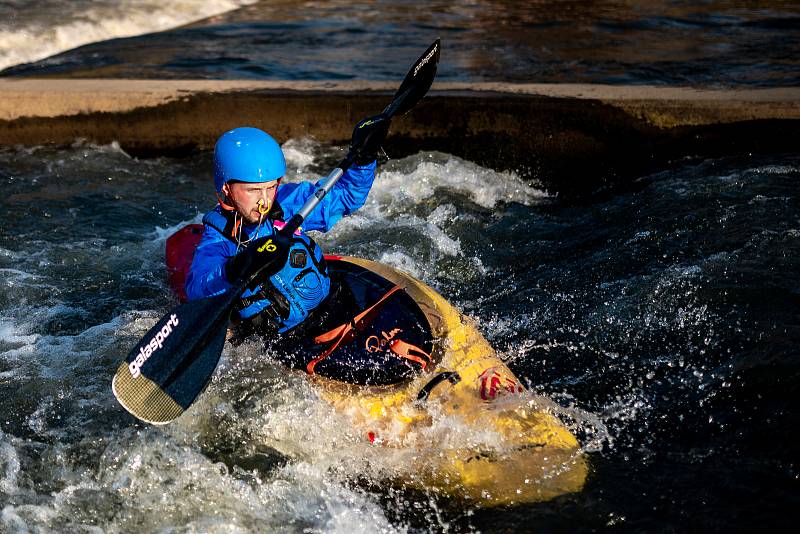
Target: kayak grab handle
x,y
450,376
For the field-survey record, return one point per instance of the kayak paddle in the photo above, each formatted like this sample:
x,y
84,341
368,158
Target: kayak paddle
x,y
415,85
174,361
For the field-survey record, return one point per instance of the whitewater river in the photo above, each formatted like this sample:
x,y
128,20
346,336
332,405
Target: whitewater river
x,y
662,321
661,42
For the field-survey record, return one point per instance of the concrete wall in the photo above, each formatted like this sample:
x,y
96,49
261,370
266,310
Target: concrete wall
x,y
571,139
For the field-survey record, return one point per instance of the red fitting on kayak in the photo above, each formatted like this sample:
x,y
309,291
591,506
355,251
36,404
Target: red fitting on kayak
x,y
494,383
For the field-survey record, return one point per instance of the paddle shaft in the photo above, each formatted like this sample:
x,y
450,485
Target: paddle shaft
x,y
410,92
324,188
312,202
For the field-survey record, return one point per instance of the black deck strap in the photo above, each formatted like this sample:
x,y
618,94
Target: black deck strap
x,y
451,376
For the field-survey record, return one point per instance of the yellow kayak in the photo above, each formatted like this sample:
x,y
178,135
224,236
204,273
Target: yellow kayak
x,y
466,423
529,454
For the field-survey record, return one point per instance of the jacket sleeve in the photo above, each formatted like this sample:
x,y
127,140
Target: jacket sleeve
x,y
206,276
348,195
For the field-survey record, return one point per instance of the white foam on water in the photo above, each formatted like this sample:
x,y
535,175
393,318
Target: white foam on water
x,y
160,235
283,412
399,260
300,154
15,276
9,254
775,169
12,333
297,496
72,373
9,466
139,468
38,37
418,177
11,520
442,214
410,199
444,243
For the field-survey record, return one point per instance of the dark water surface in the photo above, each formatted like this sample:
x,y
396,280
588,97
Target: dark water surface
x,y
664,322
665,42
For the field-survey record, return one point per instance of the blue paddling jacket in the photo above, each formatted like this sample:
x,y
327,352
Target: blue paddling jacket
x,y
303,282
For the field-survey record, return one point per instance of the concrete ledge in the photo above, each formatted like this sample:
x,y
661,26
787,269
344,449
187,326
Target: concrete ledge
x,y
573,139
26,97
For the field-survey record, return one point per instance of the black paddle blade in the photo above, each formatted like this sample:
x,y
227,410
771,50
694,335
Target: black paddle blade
x,y
172,364
417,82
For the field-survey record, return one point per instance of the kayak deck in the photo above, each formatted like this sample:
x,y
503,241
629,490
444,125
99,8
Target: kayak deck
x,y
533,456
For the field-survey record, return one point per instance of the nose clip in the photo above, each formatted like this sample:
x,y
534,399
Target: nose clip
x,y
263,210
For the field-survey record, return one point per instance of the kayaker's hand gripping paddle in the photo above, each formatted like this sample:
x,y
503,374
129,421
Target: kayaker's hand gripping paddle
x,y
174,361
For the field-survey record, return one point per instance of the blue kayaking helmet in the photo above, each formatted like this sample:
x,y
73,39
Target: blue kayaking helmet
x,y
247,155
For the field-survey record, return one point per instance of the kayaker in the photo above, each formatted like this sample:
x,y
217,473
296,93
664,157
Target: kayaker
x,y
240,232
279,278
312,321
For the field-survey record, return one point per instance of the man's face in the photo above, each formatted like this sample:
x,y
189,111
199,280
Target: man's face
x,y
248,197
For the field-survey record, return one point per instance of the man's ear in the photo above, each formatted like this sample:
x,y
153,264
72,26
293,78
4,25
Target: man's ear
x,y
226,190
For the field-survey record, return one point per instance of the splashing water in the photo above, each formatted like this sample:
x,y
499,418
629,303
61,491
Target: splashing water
x,y
647,322
30,35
